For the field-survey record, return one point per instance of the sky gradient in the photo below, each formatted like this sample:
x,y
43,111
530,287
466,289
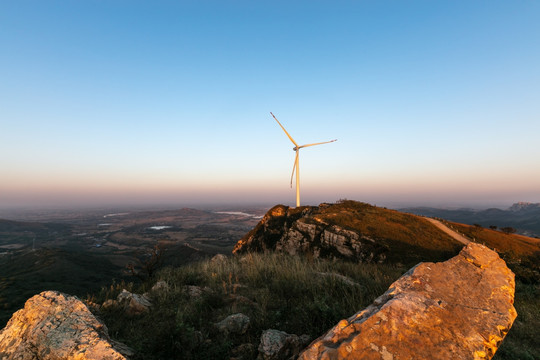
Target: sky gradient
x,y
167,102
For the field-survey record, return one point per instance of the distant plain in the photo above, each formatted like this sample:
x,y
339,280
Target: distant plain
x,y
79,252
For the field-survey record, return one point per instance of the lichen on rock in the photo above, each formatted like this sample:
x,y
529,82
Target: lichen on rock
x,y
53,325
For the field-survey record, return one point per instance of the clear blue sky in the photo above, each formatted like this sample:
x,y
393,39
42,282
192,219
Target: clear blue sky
x,y
147,102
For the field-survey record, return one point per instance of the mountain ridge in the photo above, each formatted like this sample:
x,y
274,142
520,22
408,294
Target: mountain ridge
x,y
524,216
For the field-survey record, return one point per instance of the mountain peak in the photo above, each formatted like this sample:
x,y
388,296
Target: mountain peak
x,y
524,206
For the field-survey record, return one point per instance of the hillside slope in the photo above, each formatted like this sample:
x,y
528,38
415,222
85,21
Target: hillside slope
x,y
362,232
525,217
350,230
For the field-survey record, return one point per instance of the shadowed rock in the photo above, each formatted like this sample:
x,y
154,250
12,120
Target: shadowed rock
x,y
54,326
458,309
134,304
234,324
278,345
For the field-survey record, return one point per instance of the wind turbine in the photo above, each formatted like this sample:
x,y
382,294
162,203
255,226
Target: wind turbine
x,y
296,165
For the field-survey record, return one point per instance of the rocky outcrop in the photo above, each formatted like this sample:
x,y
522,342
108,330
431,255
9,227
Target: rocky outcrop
x,y
54,326
458,309
132,304
296,231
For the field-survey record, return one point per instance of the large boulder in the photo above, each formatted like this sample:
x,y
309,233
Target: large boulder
x,y
458,309
55,326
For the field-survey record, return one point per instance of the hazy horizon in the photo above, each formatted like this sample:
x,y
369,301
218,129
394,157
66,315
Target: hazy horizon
x,y
224,204
135,103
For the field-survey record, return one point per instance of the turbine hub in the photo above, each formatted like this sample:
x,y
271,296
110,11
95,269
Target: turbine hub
x,y
295,148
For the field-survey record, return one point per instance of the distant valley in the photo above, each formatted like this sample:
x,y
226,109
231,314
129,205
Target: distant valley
x,y
523,216
79,252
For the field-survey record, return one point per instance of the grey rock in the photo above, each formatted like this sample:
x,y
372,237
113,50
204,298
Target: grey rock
x,y
53,326
234,324
160,286
134,304
278,345
196,291
218,259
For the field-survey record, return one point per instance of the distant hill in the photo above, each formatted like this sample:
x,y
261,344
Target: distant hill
x,y
20,226
523,216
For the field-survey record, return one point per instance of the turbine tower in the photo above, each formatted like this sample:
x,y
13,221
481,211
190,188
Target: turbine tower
x,y
296,166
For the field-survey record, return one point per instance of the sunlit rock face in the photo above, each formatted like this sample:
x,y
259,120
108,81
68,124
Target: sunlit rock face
x,y
295,231
458,309
55,326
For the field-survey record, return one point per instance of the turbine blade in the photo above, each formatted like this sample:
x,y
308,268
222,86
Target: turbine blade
x,y
294,166
319,143
290,137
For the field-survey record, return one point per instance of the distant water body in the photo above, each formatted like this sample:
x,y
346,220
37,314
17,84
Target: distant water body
x,y
239,213
160,227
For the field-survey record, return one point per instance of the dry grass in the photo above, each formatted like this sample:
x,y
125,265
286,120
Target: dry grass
x,y
410,238
519,245
275,291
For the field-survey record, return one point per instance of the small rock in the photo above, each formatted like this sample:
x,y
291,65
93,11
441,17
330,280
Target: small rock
x,y
278,345
196,291
110,303
234,324
134,304
218,259
160,286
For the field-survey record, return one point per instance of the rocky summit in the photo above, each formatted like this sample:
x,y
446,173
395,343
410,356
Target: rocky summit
x,y
349,230
55,326
294,230
458,309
